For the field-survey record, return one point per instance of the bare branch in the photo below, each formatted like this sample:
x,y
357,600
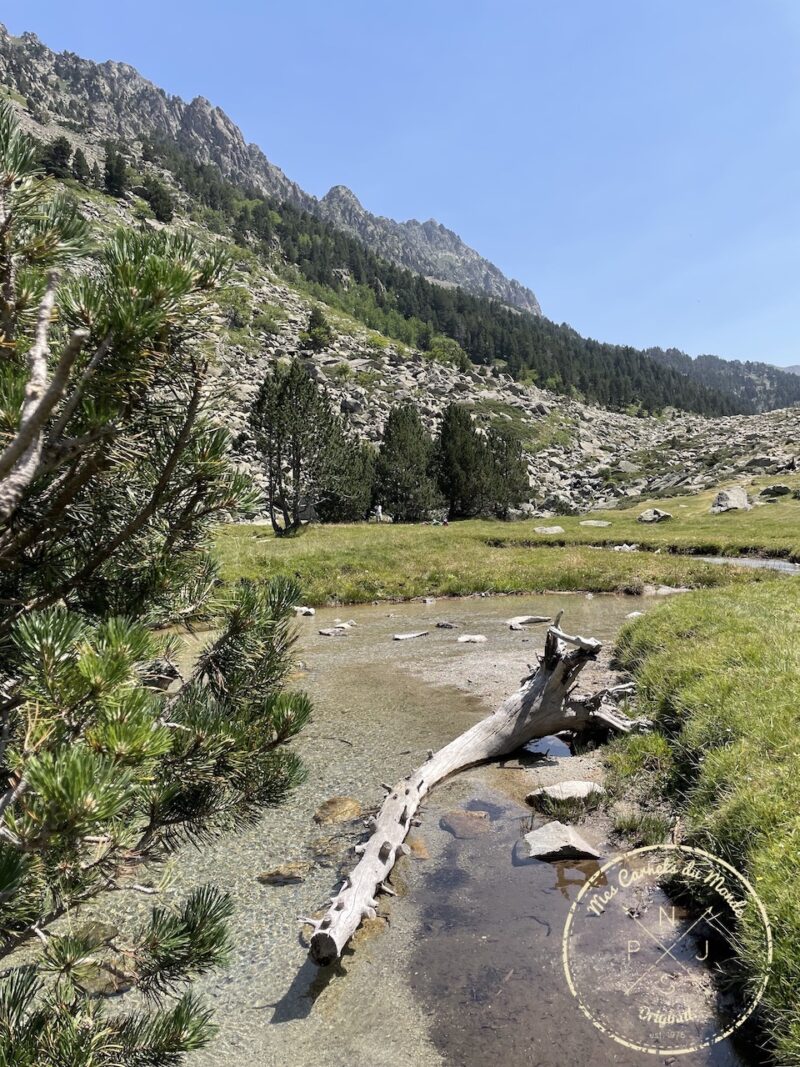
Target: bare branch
x,y
20,459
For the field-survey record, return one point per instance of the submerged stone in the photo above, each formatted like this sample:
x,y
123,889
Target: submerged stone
x,y
287,874
466,824
555,841
337,809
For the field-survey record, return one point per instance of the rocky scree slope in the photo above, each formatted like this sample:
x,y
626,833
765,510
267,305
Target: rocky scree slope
x,y
580,457
63,93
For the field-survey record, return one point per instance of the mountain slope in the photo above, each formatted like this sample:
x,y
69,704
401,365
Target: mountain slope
x,y
112,100
757,386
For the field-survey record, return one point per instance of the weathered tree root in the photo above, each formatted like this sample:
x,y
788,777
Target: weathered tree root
x,y
539,708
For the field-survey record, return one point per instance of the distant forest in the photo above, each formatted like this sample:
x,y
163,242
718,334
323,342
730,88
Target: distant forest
x,y
405,306
757,386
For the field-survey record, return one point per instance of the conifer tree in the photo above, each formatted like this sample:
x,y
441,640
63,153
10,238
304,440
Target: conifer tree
x,y
319,333
80,167
313,465
55,158
404,485
509,483
159,198
115,176
462,464
112,472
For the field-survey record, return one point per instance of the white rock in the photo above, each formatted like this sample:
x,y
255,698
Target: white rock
x,y
634,614
299,609
650,515
526,620
572,790
410,636
594,522
471,639
548,529
555,841
734,499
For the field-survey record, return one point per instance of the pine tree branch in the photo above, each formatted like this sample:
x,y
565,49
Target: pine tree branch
x,y
20,459
102,554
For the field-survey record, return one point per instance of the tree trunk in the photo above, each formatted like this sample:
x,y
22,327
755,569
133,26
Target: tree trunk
x,y
537,709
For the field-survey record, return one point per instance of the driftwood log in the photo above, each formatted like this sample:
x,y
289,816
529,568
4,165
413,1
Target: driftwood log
x,y
539,708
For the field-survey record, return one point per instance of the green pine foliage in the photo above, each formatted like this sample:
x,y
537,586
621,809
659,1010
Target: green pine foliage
x,y
80,167
319,332
478,474
55,157
115,175
314,466
112,475
508,470
159,198
404,483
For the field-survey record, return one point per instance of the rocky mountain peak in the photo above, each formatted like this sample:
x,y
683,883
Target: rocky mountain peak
x,y
113,100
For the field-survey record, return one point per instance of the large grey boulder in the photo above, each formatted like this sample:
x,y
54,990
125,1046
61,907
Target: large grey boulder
x,y
555,841
734,499
654,515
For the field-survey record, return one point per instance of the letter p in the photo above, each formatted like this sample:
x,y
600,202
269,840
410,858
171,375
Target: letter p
x,y
633,947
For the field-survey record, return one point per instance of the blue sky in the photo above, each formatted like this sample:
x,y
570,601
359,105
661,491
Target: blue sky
x,y
635,162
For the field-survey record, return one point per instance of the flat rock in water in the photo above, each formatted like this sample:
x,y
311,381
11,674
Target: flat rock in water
x,y
471,639
526,620
555,841
466,824
411,636
444,625
286,874
337,809
548,529
300,609
572,790
634,615
594,522
334,631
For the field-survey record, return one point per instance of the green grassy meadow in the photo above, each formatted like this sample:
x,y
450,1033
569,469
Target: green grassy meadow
x,y
719,671
364,562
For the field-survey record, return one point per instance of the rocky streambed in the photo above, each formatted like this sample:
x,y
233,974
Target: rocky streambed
x,y
465,964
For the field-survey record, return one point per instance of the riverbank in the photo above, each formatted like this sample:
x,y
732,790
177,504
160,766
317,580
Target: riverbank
x,y
364,563
719,671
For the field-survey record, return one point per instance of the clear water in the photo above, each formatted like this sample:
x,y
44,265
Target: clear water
x,y
468,969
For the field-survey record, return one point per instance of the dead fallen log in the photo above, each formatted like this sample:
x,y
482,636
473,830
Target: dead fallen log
x,y
539,708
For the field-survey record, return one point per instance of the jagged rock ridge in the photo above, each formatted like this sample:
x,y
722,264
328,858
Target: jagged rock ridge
x,y
112,100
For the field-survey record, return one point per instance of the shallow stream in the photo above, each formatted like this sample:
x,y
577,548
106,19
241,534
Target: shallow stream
x,y
468,969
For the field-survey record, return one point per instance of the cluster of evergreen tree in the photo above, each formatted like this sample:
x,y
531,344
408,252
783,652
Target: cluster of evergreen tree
x,y
316,468
112,475
410,308
57,159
